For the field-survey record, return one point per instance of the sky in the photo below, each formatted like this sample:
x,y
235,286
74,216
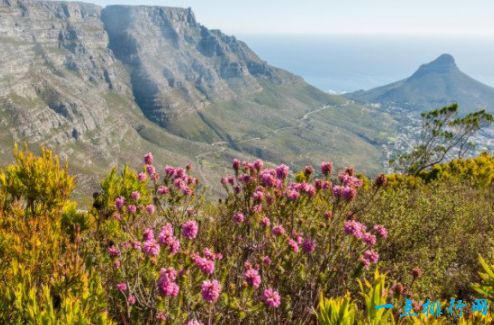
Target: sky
x,y
417,17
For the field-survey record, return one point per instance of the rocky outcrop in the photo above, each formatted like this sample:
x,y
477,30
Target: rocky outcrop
x,y
55,67
178,66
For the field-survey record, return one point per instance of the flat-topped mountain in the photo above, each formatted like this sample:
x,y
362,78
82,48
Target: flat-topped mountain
x,y
433,85
103,86
178,66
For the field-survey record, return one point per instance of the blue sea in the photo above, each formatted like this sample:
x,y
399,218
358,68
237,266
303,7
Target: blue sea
x,y
339,64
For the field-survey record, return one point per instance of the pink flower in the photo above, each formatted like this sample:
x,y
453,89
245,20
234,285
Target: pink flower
x,y
135,195
252,277
151,248
132,209
173,245
148,234
293,244
166,231
141,177
267,178
369,257
354,228
381,231
239,217
308,170
350,180
150,169
137,245
119,202
271,298
349,193
169,171
266,260
266,222
162,190
131,300
210,255
293,195
166,282
236,164
166,238
282,171
309,246
150,209
258,164
257,208
122,287
179,173
278,230
161,317
326,185
190,229
148,158
204,264
113,251
309,189
326,168
338,191
258,196
210,290
369,239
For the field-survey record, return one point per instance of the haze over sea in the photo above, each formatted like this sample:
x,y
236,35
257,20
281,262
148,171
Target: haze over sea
x,y
342,63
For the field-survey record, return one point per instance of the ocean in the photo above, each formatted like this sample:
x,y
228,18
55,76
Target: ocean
x,y
339,64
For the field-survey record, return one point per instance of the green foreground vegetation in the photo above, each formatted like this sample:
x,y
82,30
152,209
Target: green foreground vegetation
x,y
273,257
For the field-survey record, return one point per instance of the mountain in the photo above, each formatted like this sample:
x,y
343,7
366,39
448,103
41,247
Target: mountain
x,y
433,85
103,86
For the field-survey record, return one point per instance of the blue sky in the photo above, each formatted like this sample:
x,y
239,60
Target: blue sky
x,y
337,16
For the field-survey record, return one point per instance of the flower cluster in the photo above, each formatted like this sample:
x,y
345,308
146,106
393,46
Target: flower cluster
x,y
166,282
281,231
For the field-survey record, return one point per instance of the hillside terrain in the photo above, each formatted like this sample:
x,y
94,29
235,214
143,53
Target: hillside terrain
x,y
100,85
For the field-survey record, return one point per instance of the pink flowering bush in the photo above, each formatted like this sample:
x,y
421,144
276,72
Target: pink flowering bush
x,y
152,250
264,253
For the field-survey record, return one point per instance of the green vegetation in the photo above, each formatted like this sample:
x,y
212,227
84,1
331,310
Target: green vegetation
x,y
443,134
293,254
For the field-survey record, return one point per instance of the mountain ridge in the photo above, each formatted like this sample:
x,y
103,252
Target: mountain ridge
x,y
99,90
434,84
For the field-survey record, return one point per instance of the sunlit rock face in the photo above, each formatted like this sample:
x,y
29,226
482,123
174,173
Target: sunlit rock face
x,y
177,65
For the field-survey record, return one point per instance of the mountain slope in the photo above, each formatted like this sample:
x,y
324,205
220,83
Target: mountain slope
x,y
104,86
433,85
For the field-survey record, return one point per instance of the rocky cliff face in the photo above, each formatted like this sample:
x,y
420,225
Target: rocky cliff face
x,y
103,86
55,68
61,86
178,66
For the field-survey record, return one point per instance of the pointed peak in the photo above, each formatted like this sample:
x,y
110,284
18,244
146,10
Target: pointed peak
x,y
443,64
444,60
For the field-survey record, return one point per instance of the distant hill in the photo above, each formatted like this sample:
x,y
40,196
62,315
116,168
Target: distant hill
x,y
433,85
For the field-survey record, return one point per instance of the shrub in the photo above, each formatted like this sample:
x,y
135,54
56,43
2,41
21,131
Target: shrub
x,y
43,277
40,183
440,227
263,254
